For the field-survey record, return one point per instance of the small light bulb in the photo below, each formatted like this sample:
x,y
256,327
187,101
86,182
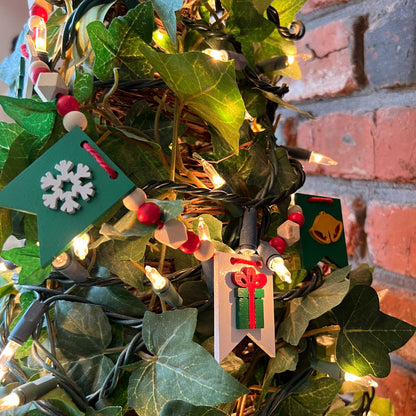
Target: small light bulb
x,y
6,355
290,60
203,230
298,57
158,281
39,33
80,246
159,35
321,159
365,381
218,55
3,267
215,178
277,265
9,401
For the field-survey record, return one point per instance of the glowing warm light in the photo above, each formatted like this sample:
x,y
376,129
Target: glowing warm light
x,y
277,265
366,381
158,281
218,55
6,355
159,35
9,401
203,230
215,178
3,267
290,60
322,159
39,33
61,261
80,246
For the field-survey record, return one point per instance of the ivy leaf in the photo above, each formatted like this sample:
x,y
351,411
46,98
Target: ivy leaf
x,y
302,310
35,117
117,298
287,10
119,46
206,87
28,258
107,411
82,51
5,225
116,256
166,10
135,134
367,336
179,407
83,86
180,368
53,27
8,134
81,329
286,359
311,399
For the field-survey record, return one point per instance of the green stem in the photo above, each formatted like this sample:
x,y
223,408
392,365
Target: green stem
x,y
175,138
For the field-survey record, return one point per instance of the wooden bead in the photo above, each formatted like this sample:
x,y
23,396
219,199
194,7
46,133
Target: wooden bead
x,y
42,3
134,200
173,233
39,63
75,119
294,208
36,71
36,10
49,85
297,217
66,104
34,22
192,244
278,244
289,231
205,250
149,213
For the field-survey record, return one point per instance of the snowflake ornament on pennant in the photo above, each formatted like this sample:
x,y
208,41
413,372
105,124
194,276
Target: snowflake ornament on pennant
x,y
57,186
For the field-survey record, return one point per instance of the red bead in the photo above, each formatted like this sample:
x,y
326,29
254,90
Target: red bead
x,y
36,10
297,217
23,50
149,213
66,104
191,244
35,72
278,244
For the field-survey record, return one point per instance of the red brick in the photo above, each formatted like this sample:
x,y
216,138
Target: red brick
x,y
391,237
313,5
401,305
330,71
394,144
353,216
347,138
400,388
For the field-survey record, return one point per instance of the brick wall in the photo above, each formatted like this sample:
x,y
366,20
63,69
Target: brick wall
x,y
360,85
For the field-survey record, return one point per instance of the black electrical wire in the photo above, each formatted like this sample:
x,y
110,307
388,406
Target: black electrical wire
x,y
45,407
294,32
316,280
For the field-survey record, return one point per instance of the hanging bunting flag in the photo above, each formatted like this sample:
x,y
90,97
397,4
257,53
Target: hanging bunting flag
x,y
243,303
322,235
69,188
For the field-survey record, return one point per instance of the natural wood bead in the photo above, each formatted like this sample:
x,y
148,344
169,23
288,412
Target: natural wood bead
x,y
75,119
36,10
205,250
173,233
38,63
42,3
294,208
49,85
36,71
289,231
134,200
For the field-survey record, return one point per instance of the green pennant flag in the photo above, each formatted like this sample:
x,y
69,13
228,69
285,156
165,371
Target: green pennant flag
x,y
69,188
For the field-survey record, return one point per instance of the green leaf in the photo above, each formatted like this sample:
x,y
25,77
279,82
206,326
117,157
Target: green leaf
x,y
8,134
287,10
206,87
362,275
135,134
107,411
367,336
166,11
179,407
116,255
302,310
119,46
276,99
117,298
5,225
83,86
180,368
17,158
35,117
310,399
286,359
81,329
89,372
53,27
28,258
82,51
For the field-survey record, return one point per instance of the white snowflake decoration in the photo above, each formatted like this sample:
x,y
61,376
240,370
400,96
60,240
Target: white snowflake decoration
x,y
56,185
